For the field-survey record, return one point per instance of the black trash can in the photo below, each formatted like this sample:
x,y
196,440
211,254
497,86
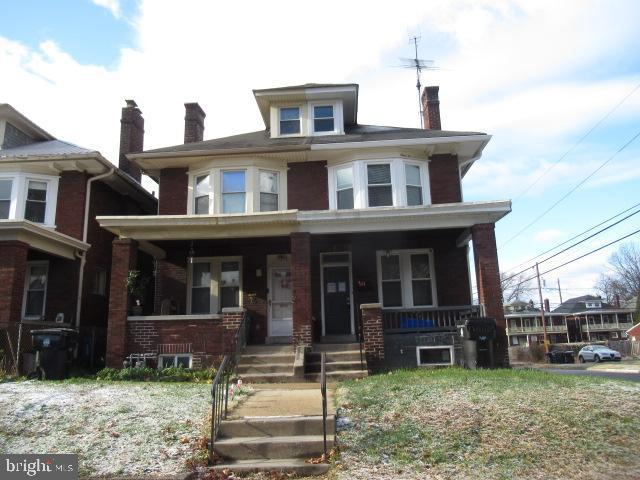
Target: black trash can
x,y
478,334
555,356
568,357
54,348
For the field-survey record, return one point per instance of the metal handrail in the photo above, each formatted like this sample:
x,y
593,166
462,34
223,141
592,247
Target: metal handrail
x,y
323,391
220,382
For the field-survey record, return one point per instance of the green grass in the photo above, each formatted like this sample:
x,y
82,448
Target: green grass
x,y
454,423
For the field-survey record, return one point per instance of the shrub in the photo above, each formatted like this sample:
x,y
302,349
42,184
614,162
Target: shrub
x,y
170,374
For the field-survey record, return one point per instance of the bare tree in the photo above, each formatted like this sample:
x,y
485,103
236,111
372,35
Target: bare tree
x,y
516,287
624,278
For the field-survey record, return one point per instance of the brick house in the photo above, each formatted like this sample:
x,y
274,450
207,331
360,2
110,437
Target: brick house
x,y
313,226
55,260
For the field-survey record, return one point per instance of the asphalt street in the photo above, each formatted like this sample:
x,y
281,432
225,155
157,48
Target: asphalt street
x,y
634,377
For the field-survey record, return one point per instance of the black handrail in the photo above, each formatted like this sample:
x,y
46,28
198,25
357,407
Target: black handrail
x,y
323,391
220,382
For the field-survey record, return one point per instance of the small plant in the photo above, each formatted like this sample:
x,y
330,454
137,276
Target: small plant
x,y
145,374
137,285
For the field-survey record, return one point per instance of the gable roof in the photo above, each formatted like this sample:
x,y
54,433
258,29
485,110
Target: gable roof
x,y
634,331
53,148
18,120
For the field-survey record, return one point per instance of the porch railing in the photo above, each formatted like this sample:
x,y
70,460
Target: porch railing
x,y
220,382
425,319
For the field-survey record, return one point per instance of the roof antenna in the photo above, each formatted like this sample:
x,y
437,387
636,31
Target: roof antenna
x,y
419,64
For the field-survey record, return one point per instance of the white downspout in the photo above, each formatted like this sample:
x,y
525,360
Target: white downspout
x,y
83,255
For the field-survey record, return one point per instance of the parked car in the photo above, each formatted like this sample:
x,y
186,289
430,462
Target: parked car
x,y
598,353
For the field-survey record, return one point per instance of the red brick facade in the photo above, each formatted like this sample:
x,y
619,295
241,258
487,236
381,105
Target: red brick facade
x,y
13,264
301,278
174,185
124,258
308,186
373,333
488,282
444,179
431,108
72,194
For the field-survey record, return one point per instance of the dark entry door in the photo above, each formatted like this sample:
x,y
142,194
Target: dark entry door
x,y
337,305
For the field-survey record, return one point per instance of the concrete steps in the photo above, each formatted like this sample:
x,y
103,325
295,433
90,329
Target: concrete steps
x,y
251,448
261,368
331,367
280,465
276,426
343,362
337,376
266,364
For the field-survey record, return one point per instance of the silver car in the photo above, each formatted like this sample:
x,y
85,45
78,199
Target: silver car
x,y
598,353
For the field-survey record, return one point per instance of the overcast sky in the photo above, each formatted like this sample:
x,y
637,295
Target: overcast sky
x,y
535,75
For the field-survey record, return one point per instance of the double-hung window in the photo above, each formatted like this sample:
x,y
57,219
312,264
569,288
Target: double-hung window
x,y
229,283
36,202
201,287
234,191
201,195
413,183
379,189
35,289
289,120
323,119
268,191
406,278
344,188
5,197
214,283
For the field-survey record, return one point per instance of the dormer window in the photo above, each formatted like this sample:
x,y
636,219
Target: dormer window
x,y
290,121
234,191
201,196
323,118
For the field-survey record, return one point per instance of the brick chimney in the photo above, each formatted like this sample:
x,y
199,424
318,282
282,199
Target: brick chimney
x,y
131,137
193,122
547,308
431,108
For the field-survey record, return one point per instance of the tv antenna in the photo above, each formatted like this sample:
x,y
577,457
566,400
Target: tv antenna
x,y
420,65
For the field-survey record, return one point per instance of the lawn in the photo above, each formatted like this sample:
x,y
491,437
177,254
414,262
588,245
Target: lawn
x,y
116,428
502,424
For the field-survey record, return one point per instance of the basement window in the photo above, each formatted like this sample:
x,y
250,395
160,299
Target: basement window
x,y
182,361
435,356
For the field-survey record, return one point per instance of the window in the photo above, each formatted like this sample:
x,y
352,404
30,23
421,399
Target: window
x,y
201,195
268,191
35,289
406,278
290,121
233,191
440,355
413,184
229,284
201,287
5,197
167,361
36,203
323,120
379,188
100,282
344,188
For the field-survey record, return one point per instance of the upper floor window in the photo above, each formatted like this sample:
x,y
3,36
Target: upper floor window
x,y
5,197
344,188
379,188
234,191
323,119
268,191
36,202
31,197
414,184
290,121
201,195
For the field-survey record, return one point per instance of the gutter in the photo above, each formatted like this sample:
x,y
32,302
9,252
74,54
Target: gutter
x,y
83,256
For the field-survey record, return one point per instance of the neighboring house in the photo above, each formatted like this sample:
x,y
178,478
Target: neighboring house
x,y
519,306
55,260
634,333
580,319
311,226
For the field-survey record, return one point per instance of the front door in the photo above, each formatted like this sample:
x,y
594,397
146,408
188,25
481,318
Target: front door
x,y
337,300
280,304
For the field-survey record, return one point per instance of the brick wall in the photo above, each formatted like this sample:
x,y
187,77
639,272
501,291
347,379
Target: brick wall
x,y
301,278
131,138
373,334
72,193
13,262
193,122
444,179
174,183
307,186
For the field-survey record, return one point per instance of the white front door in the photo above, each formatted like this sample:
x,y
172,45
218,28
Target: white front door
x,y
280,304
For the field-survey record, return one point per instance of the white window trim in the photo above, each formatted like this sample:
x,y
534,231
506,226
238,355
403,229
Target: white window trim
x,y
259,190
247,182
300,121
19,184
214,288
26,287
193,180
338,117
361,185
405,277
436,347
175,355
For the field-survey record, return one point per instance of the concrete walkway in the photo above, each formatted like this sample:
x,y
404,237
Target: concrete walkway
x,y
283,399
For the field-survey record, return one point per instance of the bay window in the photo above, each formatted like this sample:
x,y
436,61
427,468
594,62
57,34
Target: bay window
x,y
290,121
5,197
36,203
344,188
379,188
35,290
268,191
413,184
406,278
214,283
201,195
234,191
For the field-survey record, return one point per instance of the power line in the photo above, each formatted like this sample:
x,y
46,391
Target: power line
x,y
577,243
582,182
535,182
574,237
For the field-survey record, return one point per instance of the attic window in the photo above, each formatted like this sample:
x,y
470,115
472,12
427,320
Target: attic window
x,y
290,121
323,120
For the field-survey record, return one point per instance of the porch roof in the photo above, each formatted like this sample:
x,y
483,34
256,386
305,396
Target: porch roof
x,y
41,238
387,219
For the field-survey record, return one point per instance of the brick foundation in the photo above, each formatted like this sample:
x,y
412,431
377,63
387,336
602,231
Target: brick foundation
x,y
301,277
373,333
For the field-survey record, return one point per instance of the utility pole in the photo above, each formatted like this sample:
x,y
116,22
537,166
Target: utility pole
x,y
544,323
559,290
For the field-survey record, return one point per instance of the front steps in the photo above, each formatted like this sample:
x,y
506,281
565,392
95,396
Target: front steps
x,y
343,362
266,364
279,444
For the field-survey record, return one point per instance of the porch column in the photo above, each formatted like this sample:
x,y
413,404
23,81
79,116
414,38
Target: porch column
x,y
373,333
13,267
488,281
301,278
124,258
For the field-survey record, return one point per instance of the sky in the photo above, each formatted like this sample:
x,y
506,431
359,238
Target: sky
x,y
537,76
